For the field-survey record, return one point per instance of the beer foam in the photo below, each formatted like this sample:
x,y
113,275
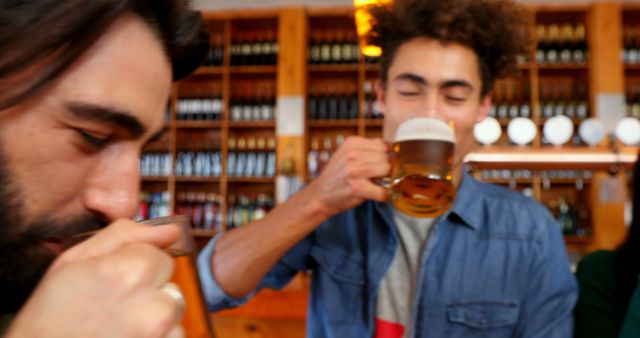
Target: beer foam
x,y
424,128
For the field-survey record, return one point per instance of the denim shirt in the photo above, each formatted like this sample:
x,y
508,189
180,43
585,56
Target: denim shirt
x,y
494,266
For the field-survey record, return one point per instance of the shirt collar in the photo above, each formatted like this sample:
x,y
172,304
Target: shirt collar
x,y
467,206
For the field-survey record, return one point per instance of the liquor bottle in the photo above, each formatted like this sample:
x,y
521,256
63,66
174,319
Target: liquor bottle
x,y
332,104
368,99
247,105
502,108
256,55
558,108
313,102
325,50
250,167
231,157
269,110
236,107
553,47
217,104
245,51
325,154
323,105
347,48
569,98
261,158
241,157
582,107
343,103
265,49
236,52
314,48
218,50
256,104
275,47
580,48
336,47
231,206
525,106
353,105
547,100
541,50
515,98
313,158
566,43
270,170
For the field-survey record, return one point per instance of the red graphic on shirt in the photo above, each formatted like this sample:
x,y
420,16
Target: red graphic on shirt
x,y
385,329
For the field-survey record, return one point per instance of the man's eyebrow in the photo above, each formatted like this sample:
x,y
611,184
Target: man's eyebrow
x,y
457,83
98,113
411,77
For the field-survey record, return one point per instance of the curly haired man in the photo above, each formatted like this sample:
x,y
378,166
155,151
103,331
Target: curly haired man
x,y
494,265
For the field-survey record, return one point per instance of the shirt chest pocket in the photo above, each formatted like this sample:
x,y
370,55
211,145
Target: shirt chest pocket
x,y
339,280
496,319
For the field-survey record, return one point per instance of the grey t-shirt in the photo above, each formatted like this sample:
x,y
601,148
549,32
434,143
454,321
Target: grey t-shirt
x,y
397,288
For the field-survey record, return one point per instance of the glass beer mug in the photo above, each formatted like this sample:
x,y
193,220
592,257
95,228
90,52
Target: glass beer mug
x,y
421,180
195,319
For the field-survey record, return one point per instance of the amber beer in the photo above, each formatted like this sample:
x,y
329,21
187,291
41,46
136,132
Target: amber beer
x,y
195,320
421,180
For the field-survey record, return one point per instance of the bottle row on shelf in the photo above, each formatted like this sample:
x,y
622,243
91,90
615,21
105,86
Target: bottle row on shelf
x,y
631,44
333,47
258,103
632,90
557,98
153,204
259,49
331,102
248,207
202,208
251,157
328,101
561,43
199,103
202,163
155,163
507,174
573,218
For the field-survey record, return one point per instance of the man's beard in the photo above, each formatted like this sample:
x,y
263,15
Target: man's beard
x,y
23,258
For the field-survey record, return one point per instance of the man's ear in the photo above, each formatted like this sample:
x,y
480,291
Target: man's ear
x,y
485,105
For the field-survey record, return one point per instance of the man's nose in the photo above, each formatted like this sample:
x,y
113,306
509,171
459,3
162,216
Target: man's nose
x,y
114,190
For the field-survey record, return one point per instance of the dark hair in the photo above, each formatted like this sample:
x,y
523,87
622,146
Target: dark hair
x,y
41,39
626,259
497,30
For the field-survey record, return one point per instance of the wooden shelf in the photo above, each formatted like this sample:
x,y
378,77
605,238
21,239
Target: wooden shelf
x,y
574,158
209,71
562,66
371,67
374,122
235,179
573,239
334,68
253,70
155,178
252,124
332,123
198,179
197,124
632,66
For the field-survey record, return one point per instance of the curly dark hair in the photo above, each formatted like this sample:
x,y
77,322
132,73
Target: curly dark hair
x,y
497,30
